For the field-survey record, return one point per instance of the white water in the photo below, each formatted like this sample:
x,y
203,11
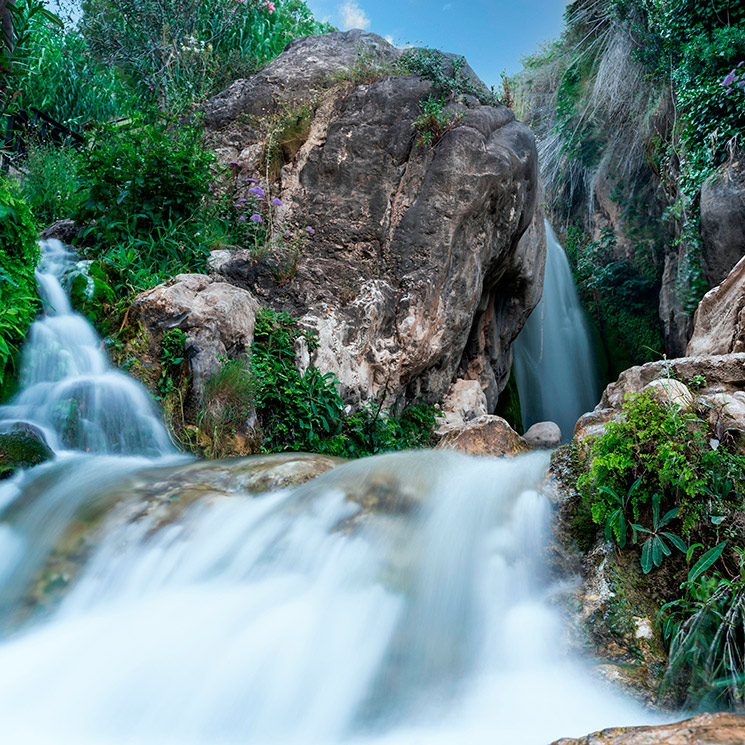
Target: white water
x,y
554,362
69,391
292,618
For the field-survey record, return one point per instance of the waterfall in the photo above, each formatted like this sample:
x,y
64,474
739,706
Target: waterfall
x,y
69,391
146,599
554,362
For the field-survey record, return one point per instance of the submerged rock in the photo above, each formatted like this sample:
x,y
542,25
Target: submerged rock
x,y
704,729
23,447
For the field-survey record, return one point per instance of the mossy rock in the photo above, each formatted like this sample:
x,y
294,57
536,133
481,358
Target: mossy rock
x,y
22,449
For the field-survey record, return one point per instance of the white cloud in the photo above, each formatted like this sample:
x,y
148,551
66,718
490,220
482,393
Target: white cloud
x,y
447,6
352,16
389,38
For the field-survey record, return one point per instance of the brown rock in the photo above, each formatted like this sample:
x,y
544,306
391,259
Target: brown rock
x,y
719,323
488,435
704,729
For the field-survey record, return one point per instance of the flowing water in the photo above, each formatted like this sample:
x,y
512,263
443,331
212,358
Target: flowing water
x,y
395,600
554,362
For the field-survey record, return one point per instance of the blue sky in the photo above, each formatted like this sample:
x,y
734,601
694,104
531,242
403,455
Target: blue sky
x,y
492,34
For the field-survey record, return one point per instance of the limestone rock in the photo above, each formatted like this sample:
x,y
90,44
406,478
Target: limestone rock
x,y
726,371
670,391
543,435
64,231
416,273
719,323
704,729
463,402
488,435
590,426
217,317
723,220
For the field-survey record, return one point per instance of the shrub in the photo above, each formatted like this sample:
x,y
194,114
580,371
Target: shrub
x,y
434,121
143,188
669,452
176,52
19,255
52,187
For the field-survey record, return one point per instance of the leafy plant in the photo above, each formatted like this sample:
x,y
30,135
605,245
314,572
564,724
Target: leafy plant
x,y
171,356
656,547
19,255
435,121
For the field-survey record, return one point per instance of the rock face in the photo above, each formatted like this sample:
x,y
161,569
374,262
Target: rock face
x,y
719,323
217,317
723,220
704,729
416,273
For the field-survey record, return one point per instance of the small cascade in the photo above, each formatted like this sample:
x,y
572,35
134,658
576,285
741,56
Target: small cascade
x,y
69,391
554,362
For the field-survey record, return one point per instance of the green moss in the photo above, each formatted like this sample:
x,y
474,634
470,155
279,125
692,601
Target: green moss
x,y
21,450
508,405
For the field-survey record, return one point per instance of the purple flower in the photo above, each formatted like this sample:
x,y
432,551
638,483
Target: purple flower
x,y
234,163
741,83
729,90
242,218
742,63
255,218
241,200
730,77
287,232
257,190
310,230
251,181
277,202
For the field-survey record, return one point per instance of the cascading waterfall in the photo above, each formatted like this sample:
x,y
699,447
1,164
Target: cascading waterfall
x,y
554,363
395,600
69,391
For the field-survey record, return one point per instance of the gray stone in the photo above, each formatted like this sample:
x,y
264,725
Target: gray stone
x,y
543,435
723,220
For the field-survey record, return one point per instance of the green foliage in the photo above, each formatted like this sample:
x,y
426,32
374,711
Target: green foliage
x,y
304,411
669,452
19,255
621,295
286,134
434,121
143,187
655,547
175,52
228,404
64,81
91,293
297,411
448,75
29,17
52,187
171,356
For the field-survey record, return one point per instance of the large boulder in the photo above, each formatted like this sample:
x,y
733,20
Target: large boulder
x,y
488,435
719,323
416,272
723,220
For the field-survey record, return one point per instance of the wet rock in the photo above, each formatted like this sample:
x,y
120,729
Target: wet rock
x,y
464,401
723,220
719,323
416,273
543,435
488,435
23,447
704,729
610,612
64,231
